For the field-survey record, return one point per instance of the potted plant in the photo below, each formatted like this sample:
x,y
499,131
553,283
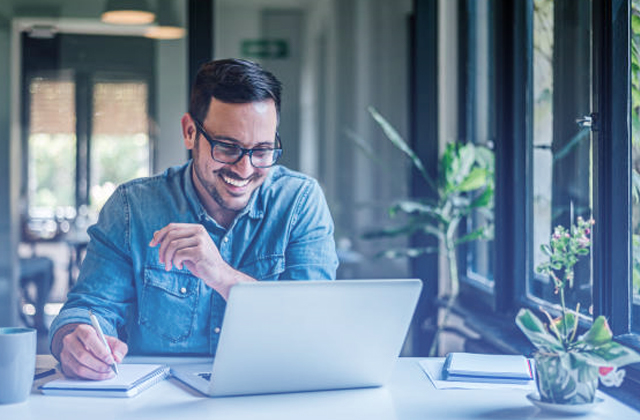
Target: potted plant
x,y
464,185
568,364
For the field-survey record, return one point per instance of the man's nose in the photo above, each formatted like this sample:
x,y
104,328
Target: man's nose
x,y
244,166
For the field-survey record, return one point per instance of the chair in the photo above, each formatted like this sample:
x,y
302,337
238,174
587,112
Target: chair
x,y
36,271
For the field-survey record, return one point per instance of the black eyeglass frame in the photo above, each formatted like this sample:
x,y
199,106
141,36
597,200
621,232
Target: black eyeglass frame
x,y
276,150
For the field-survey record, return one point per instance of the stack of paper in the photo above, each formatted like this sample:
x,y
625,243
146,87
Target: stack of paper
x,y
488,368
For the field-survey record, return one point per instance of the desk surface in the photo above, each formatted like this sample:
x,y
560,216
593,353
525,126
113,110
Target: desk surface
x,y
409,395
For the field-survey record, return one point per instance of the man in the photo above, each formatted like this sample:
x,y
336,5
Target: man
x,y
166,250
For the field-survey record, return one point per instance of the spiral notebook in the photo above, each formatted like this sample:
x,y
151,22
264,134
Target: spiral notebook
x,y
131,380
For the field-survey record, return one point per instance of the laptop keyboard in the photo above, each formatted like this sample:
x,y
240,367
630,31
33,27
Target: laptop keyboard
x,y
205,375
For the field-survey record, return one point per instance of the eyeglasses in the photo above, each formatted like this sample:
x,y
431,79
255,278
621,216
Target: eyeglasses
x,y
260,157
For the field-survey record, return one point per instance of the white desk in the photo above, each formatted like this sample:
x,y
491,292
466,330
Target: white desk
x,y
409,395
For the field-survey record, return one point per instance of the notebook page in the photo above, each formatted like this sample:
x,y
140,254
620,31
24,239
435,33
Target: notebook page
x,y
130,376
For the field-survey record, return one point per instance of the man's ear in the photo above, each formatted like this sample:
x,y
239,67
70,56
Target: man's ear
x,y
189,131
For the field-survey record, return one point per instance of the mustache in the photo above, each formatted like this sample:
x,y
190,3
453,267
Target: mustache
x,y
230,174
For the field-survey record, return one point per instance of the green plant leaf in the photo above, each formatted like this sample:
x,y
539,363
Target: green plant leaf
x,y
476,179
536,332
635,24
416,207
567,324
485,199
479,233
366,148
546,249
397,141
599,333
616,354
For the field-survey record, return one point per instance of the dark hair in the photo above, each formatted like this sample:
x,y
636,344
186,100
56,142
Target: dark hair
x,y
233,81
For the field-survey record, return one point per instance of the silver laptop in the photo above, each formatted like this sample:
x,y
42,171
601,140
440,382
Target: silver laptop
x,y
292,336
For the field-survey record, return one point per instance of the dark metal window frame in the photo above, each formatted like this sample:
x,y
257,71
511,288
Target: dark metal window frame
x,y
612,294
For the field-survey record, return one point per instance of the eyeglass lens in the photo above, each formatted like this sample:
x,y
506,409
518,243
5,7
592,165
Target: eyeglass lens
x,y
229,153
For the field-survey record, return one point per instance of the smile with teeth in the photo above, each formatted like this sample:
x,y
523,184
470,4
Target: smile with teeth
x,y
235,182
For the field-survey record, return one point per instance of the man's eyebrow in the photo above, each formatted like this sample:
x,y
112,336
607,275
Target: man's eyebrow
x,y
226,138
261,145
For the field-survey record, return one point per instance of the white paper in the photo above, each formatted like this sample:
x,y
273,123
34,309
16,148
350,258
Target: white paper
x,y
489,365
432,367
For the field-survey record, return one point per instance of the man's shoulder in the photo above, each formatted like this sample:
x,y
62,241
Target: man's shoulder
x,y
282,177
287,187
171,178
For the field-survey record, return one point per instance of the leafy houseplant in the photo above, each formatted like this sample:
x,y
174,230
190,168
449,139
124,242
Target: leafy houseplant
x,y
464,185
568,365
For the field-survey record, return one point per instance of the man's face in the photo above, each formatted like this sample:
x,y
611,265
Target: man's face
x,y
224,188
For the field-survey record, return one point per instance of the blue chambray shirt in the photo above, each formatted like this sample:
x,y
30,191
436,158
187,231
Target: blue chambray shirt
x,y
285,232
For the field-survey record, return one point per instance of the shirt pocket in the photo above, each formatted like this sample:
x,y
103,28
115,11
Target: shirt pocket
x,y
268,267
168,303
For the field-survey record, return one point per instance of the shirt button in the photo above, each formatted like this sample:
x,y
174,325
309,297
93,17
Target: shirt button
x,y
226,239
183,290
216,330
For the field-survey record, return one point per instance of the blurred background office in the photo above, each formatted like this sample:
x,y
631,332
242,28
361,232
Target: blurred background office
x,y
90,101
550,87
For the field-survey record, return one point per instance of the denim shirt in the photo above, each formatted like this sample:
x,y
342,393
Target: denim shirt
x,y
284,233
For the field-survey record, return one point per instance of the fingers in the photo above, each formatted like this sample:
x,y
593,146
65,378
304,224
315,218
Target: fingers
x,y
159,235
84,355
176,237
167,255
118,348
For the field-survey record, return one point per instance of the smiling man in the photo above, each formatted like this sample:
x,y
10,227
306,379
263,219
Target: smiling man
x,y
166,250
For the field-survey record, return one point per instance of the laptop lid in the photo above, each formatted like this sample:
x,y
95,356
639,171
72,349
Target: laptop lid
x,y
291,336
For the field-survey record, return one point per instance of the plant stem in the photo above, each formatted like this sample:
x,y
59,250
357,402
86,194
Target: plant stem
x,y
455,288
564,313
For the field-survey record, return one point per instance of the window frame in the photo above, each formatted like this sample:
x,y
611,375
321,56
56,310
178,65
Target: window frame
x,y
612,236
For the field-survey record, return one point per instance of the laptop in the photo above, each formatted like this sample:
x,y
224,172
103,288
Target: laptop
x,y
294,336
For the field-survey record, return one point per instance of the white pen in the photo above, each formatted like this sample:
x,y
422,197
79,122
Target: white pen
x,y
96,325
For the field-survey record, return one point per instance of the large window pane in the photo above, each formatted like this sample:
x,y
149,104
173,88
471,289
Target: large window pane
x,y
562,167
480,126
120,137
52,147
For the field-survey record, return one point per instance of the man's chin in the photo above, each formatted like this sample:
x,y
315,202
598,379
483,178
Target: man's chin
x,y
233,203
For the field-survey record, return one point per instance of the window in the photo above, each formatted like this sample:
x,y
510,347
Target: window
x,y
120,137
87,119
564,111
51,146
478,81
562,164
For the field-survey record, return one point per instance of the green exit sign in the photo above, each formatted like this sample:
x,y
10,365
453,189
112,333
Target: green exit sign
x,y
265,48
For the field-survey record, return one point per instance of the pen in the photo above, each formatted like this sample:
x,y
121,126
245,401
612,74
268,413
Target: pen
x,y
96,325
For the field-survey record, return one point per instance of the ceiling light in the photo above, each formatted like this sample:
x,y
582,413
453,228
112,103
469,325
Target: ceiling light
x,y
165,32
168,26
128,12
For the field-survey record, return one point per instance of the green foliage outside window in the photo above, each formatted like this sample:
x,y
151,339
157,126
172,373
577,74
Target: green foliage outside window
x,y
52,170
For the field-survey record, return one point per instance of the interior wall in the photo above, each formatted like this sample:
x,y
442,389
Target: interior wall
x,y
371,70
172,101
9,158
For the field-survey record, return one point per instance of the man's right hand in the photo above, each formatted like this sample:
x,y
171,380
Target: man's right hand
x,y
82,354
